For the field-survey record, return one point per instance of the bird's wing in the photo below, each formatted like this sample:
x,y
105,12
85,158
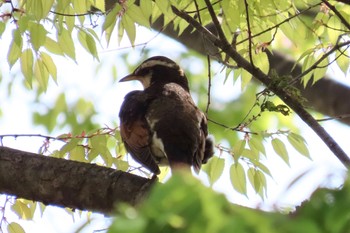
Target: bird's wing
x,y
180,125
135,131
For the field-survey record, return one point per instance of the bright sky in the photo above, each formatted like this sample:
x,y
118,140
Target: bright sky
x,y
80,81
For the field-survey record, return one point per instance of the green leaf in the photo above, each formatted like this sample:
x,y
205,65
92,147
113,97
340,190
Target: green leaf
x,y
308,62
23,210
253,182
49,65
137,15
321,69
262,167
146,8
69,146
37,35
129,27
245,77
256,143
280,149
261,61
14,227
214,168
27,61
121,164
52,46
66,43
2,27
88,42
343,60
77,154
35,7
238,178
110,21
41,74
15,48
46,6
238,148
299,144
261,179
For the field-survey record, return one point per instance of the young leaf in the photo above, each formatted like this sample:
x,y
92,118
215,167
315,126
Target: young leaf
x,y
77,154
110,21
137,15
66,43
280,149
88,42
256,143
41,74
214,168
15,48
27,65
49,65
14,227
129,27
251,177
238,178
69,146
52,46
37,35
238,149
299,144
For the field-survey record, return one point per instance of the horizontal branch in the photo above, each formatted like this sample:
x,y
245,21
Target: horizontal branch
x,y
66,183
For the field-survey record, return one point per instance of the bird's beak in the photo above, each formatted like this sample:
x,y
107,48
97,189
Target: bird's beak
x,y
130,77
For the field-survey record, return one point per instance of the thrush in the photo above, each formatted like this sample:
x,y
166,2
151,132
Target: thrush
x,y
161,125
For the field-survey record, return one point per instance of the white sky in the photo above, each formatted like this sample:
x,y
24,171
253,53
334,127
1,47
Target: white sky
x,y
79,81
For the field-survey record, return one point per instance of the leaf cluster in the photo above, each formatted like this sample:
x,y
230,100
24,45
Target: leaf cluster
x,y
187,206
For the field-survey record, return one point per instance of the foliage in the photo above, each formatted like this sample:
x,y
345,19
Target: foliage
x,y
187,206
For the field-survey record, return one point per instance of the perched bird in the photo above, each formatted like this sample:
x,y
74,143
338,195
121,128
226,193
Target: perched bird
x,y
161,125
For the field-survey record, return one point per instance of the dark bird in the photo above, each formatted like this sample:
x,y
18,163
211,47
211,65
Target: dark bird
x,y
161,125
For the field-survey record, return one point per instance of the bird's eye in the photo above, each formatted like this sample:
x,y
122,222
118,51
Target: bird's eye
x,y
144,71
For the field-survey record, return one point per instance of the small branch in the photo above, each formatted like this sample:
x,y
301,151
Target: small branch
x,y
209,85
337,13
216,23
280,23
249,32
258,74
237,128
314,66
334,118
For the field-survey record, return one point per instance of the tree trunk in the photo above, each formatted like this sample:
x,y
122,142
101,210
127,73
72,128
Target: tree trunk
x,y
68,183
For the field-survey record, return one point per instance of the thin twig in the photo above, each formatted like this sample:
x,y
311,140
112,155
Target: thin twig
x,y
249,33
209,85
314,66
337,13
280,23
334,118
237,128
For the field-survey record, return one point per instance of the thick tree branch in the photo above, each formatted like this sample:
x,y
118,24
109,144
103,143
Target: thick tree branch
x,y
224,45
67,183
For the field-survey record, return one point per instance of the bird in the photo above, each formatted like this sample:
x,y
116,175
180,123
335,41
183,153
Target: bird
x,y
161,124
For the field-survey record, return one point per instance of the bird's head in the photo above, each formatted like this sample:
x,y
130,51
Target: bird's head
x,y
158,70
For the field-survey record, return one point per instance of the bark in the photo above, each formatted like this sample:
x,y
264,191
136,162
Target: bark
x,y
326,96
67,183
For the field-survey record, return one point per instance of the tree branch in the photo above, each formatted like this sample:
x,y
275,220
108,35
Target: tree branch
x,y
258,74
67,183
325,96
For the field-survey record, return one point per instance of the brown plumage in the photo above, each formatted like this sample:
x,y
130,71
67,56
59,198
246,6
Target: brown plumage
x,y
161,124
